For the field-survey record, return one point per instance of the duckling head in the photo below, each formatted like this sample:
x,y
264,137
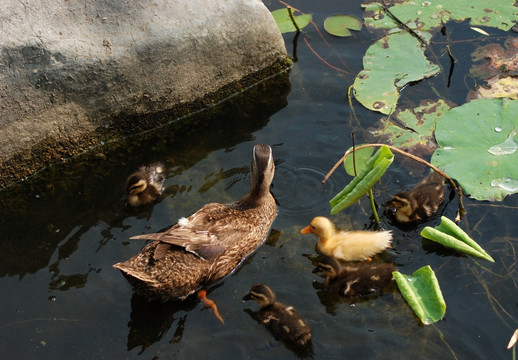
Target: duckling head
x,y
401,207
321,227
329,266
136,183
261,294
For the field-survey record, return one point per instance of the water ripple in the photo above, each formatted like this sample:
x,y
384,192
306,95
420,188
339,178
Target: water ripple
x,y
299,190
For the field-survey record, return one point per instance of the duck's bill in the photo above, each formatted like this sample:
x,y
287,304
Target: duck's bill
x,y
306,230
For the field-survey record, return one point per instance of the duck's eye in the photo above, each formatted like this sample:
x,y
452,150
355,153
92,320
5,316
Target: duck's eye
x,y
312,226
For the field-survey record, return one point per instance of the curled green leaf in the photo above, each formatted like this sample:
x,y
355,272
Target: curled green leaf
x,y
360,157
422,292
447,233
367,177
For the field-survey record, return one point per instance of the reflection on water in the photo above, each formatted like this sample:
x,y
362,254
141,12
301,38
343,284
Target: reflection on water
x,y
61,232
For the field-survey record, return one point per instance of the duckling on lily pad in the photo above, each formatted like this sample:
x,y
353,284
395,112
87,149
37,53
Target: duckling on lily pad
x,y
419,203
146,184
206,246
347,245
282,321
354,280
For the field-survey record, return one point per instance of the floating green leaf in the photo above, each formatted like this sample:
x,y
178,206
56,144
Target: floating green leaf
x,y
422,292
388,65
367,177
284,22
450,235
426,15
478,147
361,157
412,129
339,25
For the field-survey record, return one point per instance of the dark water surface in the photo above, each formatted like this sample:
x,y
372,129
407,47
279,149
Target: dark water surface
x,y
62,231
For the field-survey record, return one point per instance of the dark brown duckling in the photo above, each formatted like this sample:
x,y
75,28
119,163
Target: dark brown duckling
x,y
354,280
206,246
419,203
146,184
282,321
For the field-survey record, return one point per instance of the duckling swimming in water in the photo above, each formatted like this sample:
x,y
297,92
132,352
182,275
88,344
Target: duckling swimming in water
x,y
419,203
347,245
145,185
354,280
282,320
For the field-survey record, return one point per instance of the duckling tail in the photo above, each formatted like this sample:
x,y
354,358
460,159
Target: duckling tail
x,y
202,295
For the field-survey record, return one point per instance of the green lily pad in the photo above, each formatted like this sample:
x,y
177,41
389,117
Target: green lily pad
x,y
388,65
478,147
414,129
361,157
367,177
450,235
339,25
422,292
430,14
284,22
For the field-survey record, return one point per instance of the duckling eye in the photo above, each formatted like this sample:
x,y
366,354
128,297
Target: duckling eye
x,y
312,226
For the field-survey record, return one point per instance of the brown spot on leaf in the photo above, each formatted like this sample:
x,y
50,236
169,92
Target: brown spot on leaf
x,y
378,105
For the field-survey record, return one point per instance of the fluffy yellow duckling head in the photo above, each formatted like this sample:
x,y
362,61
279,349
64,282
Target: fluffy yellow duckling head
x,y
321,227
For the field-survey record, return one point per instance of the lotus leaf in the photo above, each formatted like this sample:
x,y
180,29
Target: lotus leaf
x,y
450,235
367,177
284,22
388,65
339,25
477,147
426,15
422,292
414,130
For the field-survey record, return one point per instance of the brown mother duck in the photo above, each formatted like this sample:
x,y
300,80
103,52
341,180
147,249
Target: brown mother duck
x,y
206,246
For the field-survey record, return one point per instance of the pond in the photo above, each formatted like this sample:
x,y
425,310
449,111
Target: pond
x,y
63,230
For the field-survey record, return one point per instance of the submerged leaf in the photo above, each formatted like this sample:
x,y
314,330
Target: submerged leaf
x,y
339,25
469,137
412,129
388,65
447,233
284,22
367,177
422,292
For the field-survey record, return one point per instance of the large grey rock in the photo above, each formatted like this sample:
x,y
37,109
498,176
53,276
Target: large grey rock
x,y
76,73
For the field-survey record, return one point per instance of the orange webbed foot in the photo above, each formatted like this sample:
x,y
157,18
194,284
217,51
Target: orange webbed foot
x,y
202,295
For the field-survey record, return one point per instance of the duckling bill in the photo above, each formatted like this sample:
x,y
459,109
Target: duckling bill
x,y
282,321
145,185
419,203
206,246
354,280
347,245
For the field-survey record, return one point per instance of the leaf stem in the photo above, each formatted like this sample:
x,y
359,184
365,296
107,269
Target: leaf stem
x,y
373,206
460,212
290,13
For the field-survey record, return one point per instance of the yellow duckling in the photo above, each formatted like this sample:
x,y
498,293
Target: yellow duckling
x,y
282,320
418,203
354,280
145,185
347,245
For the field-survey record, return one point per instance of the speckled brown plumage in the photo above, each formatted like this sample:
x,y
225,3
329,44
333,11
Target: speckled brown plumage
x,y
419,203
281,320
206,246
354,280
